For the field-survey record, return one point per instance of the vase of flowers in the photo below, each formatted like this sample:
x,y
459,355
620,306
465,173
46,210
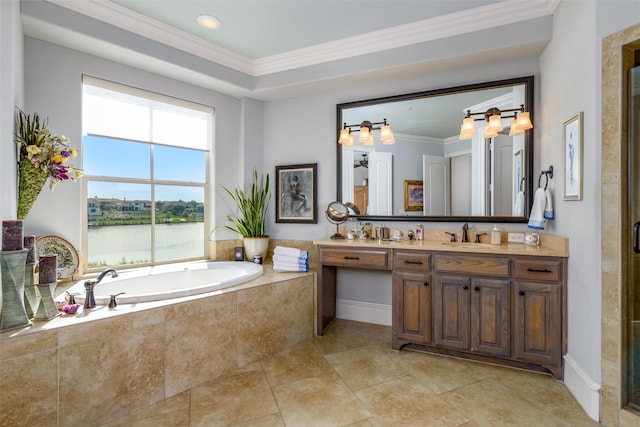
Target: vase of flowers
x,y
41,156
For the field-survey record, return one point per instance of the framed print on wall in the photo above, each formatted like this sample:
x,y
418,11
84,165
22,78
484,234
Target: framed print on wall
x,y
572,157
413,195
296,193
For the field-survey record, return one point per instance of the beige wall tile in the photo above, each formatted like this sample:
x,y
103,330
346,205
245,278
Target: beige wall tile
x,y
29,390
201,342
112,374
27,344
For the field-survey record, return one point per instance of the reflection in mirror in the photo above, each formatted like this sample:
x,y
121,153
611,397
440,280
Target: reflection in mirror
x,y
482,179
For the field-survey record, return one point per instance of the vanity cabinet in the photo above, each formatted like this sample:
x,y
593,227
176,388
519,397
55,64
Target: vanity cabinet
x,y
472,313
538,312
500,308
411,298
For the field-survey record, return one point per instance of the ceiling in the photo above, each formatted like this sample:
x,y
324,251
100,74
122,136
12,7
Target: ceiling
x,y
271,48
261,28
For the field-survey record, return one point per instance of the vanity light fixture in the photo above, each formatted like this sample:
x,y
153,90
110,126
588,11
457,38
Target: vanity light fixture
x,y
493,116
366,135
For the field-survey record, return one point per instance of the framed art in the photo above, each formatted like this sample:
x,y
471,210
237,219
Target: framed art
x,y
413,195
572,157
296,193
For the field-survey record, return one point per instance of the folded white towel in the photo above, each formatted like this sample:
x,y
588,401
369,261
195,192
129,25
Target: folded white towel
x,y
289,260
289,264
518,206
294,252
283,268
536,218
548,207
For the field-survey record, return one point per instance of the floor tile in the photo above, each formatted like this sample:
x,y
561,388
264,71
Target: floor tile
x,y
319,401
300,362
365,366
406,401
232,399
439,373
489,403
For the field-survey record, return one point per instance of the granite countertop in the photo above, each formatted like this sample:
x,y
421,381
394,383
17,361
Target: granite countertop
x,y
551,246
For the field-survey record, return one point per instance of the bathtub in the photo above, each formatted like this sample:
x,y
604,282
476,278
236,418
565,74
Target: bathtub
x,y
169,281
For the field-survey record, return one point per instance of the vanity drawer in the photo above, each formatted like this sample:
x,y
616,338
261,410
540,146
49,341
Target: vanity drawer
x,y
358,258
412,261
530,269
475,265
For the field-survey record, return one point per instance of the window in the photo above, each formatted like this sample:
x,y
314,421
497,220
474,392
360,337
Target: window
x,y
145,160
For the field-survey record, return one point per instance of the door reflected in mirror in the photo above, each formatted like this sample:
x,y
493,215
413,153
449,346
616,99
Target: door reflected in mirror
x,y
480,179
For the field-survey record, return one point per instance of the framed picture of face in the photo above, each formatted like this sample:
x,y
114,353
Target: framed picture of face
x,y
413,195
296,194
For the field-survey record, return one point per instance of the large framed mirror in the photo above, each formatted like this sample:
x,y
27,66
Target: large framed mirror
x,y
425,172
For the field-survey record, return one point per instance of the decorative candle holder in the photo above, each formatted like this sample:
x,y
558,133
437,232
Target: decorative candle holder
x,y
47,308
30,296
12,268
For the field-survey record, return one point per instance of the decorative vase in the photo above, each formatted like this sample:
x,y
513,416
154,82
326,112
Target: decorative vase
x,y
12,266
32,180
255,246
47,308
30,296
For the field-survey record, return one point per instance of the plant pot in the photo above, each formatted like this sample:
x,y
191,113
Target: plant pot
x,y
255,246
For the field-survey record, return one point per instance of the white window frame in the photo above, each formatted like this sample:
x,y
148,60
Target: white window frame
x,y
150,181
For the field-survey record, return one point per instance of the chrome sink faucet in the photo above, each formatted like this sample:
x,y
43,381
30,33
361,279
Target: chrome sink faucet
x,y
89,300
465,232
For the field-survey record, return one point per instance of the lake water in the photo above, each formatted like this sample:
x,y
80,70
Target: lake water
x,y
109,244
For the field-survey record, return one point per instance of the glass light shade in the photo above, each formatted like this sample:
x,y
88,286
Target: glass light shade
x,y
351,142
344,136
524,121
364,134
495,123
468,128
489,133
386,135
513,128
369,141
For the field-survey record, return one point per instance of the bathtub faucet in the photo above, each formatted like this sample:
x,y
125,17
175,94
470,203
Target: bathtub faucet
x,y
89,300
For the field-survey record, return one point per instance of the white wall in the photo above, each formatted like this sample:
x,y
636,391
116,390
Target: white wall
x,y
571,81
53,89
11,95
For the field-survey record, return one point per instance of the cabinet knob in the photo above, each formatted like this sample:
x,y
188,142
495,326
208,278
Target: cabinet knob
x,y
465,287
425,284
521,292
477,289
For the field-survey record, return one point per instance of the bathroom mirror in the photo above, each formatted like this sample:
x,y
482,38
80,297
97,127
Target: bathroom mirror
x,y
429,174
337,213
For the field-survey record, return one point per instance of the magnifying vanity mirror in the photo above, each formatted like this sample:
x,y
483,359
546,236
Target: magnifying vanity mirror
x,y
424,171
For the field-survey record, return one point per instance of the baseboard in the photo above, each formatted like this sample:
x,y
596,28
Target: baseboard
x,y
584,389
379,314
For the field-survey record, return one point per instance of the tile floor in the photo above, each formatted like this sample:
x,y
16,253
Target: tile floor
x,y
351,377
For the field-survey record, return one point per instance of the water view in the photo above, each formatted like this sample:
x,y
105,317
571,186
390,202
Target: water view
x,y
107,245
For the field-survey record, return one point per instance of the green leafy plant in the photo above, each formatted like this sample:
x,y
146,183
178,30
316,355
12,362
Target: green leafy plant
x,y
252,208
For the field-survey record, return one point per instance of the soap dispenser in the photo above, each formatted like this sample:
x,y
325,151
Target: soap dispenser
x,y
496,235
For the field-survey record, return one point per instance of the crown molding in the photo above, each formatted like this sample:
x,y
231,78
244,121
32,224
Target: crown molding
x,y
476,19
126,19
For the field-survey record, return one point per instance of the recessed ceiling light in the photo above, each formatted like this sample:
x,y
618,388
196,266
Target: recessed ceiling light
x,y
208,21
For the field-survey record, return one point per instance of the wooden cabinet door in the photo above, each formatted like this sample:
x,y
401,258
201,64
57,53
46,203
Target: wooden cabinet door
x,y
412,307
451,311
537,318
490,316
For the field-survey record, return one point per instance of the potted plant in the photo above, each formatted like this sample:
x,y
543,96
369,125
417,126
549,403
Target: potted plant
x,y
250,222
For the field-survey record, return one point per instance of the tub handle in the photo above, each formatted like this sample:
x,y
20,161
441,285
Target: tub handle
x,y
112,302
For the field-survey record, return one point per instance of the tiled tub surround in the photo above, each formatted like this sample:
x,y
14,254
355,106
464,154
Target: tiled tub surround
x,y
100,365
